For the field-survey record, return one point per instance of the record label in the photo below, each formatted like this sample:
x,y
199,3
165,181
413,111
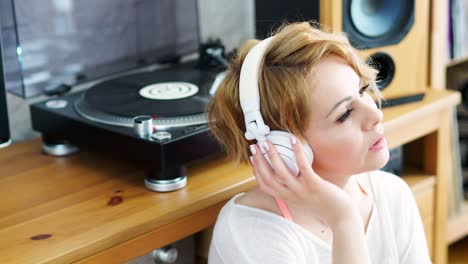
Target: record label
x,y
169,90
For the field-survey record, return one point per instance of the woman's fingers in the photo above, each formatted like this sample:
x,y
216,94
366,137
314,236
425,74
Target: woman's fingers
x,y
265,174
282,172
261,181
305,167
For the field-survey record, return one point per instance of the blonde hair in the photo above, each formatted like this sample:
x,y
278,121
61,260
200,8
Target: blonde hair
x,y
283,86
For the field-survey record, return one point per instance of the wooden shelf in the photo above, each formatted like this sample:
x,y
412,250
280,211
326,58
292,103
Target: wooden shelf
x,y
418,180
458,225
457,61
458,252
409,122
423,186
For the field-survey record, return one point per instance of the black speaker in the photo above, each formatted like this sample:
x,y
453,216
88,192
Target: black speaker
x,y
390,34
368,23
269,14
4,123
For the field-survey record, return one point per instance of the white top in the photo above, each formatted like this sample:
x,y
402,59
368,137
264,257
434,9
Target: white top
x,y
395,233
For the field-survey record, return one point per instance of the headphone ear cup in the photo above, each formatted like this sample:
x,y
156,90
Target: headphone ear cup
x,y
291,164
282,141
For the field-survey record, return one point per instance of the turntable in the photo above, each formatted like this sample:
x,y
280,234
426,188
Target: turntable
x,y
152,116
157,118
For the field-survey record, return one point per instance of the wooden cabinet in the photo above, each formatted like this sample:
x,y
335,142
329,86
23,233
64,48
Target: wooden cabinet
x,y
87,208
457,227
424,130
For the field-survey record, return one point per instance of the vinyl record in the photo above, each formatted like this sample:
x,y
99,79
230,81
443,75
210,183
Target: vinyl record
x,y
176,91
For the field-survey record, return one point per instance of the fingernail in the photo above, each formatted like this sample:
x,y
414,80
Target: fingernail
x,y
265,146
252,149
293,140
251,160
262,149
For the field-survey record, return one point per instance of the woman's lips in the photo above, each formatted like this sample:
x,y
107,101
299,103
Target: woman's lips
x,y
379,144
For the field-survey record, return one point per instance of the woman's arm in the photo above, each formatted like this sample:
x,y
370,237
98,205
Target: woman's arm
x,y
309,190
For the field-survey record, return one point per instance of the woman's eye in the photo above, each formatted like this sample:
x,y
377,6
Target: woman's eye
x,y
345,116
363,89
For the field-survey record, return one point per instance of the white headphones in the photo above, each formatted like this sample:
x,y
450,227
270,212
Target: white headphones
x,y
250,104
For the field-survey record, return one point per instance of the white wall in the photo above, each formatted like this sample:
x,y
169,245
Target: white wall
x,y
230,20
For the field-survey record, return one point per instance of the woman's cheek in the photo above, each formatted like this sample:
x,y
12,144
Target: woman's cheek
x,y
348,148
343,150
345,142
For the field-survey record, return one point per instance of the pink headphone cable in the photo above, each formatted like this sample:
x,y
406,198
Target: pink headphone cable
x,y
283,208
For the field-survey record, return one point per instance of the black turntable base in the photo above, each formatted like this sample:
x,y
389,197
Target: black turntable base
x,y
156,118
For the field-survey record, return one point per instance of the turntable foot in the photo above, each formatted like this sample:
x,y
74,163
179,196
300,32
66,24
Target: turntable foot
x,y
166,185
59,149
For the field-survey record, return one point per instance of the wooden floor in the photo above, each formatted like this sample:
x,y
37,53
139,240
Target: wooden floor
x,y
458,252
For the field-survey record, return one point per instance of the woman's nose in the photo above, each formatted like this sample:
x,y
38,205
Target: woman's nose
x,y
374,118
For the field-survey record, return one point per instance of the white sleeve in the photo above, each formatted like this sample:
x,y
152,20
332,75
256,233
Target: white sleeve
x,y
255,240
411,240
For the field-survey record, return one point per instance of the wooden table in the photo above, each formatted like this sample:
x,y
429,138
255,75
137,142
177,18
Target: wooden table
x,y
87,208
91,209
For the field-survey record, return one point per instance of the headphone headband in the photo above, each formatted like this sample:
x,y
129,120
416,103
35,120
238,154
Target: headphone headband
x,y
249,94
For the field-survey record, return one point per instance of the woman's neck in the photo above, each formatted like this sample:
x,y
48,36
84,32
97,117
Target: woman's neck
x,y
346,182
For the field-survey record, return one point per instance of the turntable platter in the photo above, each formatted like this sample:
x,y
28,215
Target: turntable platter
x,y
172,92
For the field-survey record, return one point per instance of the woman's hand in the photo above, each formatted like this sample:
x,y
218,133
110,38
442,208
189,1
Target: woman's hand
x,y
307,191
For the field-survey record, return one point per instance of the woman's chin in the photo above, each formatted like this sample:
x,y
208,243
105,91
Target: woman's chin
x,y
378,160
382,158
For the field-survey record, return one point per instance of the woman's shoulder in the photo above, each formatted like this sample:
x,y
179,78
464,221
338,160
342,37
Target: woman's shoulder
x,y
387,179
251,208
245,234
241,216
380,179
388,186
242,222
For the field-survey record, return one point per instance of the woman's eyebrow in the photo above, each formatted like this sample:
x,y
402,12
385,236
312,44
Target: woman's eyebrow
x,y
338,104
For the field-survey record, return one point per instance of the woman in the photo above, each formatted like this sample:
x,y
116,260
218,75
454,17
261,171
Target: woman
x,y
339,208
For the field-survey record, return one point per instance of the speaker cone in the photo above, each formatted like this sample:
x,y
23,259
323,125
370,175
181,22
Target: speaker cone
x,y
376,23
